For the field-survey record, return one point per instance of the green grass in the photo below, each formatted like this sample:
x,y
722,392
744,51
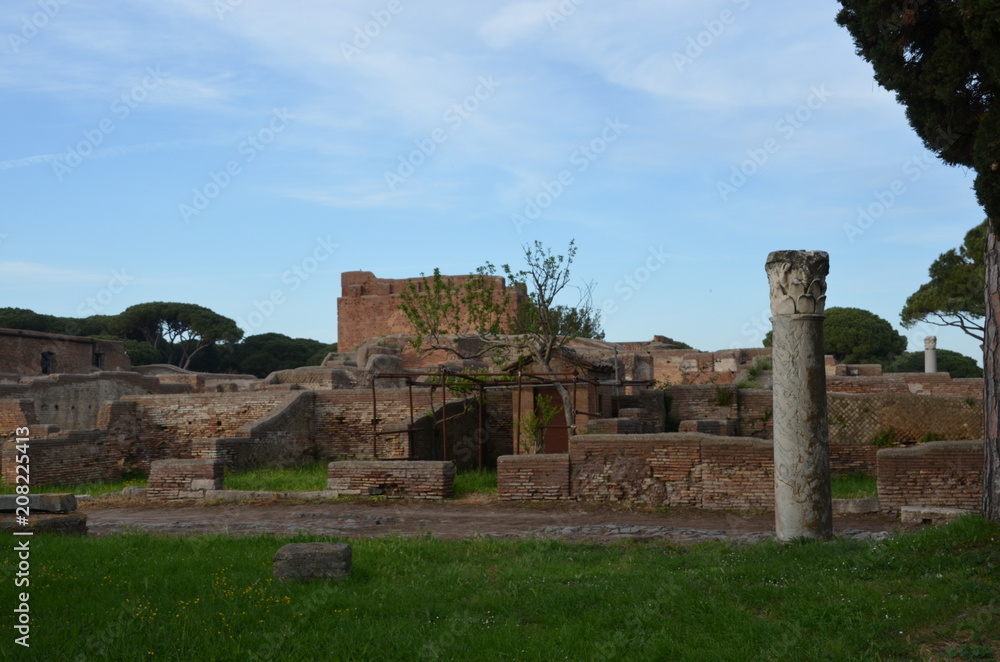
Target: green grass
x,y
475,482
303,478
854,486
94,488
929,595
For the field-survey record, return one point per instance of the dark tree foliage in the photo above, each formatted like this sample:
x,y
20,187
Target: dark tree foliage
x,y
179,331
854,335
29,320
954,294
264,353
955,364
942,59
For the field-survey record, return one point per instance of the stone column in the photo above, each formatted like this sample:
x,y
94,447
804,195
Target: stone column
x,y
802,503
930,354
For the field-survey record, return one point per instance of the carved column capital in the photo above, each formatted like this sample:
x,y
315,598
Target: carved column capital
x,y
930,342
798,281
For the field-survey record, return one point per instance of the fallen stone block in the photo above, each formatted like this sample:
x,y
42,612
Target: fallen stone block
x,y
68,524
42,503
313,560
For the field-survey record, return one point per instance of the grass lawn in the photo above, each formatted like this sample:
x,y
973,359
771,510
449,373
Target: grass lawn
x,y
94,489
854,486
928,595
303,478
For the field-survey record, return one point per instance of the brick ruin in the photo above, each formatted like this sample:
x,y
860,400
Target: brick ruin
x,y
96,424
369,307
36,353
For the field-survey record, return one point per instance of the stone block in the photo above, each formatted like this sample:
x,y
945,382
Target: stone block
x,y
67,524
313,560
42,503
924,515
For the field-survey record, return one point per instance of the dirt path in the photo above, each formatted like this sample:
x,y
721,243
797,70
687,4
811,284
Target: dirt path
x,y
451,519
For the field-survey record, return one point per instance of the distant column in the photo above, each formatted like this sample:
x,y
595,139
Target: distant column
x,y
930,354
802,502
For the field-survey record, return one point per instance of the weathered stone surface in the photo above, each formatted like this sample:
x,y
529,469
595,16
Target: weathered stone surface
x,y
855,506
42,503
798,281
313,560
924,515
69,524
803,507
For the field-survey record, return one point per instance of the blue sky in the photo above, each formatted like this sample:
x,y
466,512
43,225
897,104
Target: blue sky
x,y
241,154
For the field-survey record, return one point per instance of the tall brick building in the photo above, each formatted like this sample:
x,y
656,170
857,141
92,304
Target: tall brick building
x,y
369,307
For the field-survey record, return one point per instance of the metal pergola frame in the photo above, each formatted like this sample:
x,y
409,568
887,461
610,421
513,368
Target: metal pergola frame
x,y
483,381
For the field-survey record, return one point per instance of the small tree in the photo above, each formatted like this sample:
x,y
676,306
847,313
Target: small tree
x,y
477,308
954,294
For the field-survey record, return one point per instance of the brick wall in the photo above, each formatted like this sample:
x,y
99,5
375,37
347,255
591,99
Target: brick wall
x,y
166,424
939,474
78,457
179,480
533,477
15,414
669,469
369,307
935,383
21,353
856,420
414,479
285,436
343,421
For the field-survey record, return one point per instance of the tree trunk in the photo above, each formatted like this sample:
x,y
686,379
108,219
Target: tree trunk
x,y
567,408
991,369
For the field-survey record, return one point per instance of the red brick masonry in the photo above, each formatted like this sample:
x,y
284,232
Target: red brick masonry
x,y
414,480
184,479
938,474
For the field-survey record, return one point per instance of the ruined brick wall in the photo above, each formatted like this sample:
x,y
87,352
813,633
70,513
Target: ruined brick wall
x,y
673,469
533,477
21,352
936,383
180,480
939,474
343,425
414,479
858,420
737,473
286,435
78,457
166,424
369,307
15,414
